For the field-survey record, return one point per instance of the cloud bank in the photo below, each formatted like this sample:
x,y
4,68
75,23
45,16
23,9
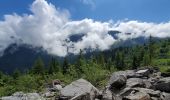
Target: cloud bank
x,y
51,28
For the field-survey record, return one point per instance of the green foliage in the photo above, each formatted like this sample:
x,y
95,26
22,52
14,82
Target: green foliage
x,y
16,74
38,67
65,66
96,69
119,61
53,66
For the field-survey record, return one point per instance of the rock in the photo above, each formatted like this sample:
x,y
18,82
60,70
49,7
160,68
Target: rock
x,y
117,81
137,96
57,87
165,96
49,94
163,84
80,89
22,96
165,74
144,72
153,98
151,92
147,84
130,73
134,82
107,95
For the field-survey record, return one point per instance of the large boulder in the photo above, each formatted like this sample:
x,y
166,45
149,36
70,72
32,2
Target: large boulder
x,y
23,96
165,96
151,92
163,84
134,82
117,80
79,89
143,72
137,96
132,93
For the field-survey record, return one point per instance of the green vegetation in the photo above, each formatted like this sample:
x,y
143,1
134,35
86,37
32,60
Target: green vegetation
x,y
95,69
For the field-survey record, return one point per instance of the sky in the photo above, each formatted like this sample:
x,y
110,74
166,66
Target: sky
x,y
103,10
50,24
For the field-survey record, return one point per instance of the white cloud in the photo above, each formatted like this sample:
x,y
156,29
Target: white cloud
x,y
50,28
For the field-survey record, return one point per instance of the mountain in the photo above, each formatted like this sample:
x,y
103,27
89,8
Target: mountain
x,y
21,57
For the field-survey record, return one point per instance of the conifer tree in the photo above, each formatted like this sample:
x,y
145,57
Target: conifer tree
x,y
119,60
16,74
135,62
65,66
53,66
38,67
151,49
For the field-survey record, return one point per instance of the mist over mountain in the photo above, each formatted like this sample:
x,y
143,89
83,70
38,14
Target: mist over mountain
x,y
52,28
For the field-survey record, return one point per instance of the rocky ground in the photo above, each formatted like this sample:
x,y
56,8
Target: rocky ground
x,y
141,84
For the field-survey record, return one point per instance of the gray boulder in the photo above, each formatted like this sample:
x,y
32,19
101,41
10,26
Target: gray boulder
x,y
137,96
79,89
134,82
117,80
143,73
151,92
22,96
163,84
165,96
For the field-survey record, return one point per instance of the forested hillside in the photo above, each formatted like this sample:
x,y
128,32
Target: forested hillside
x,y
96,69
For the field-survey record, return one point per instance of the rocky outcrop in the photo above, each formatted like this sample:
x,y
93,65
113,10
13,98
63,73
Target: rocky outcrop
x,y
23,96
79,90
141,84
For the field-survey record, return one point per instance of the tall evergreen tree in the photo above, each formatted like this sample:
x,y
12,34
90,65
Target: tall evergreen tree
x,y
101,60
16,74
80,62
135,62
53,66
65,65
119,60
151,49
109,64
146,59
38,67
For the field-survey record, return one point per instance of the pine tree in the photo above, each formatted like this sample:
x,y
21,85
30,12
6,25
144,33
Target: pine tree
x,y
135,62
146,59
151,49
38,67
80,62
53,66
101,60
16,74
109,64
119,60
65,66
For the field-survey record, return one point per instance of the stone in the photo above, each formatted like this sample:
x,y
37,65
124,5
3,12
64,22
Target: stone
x,y
49,94
107,95
144,72
79,88
22,96
117,81
147,84
137,96
165,96
151,92
134,82
57,87
163,84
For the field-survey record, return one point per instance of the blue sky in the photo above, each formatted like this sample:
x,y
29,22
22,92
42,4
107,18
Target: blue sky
x,y
101,10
